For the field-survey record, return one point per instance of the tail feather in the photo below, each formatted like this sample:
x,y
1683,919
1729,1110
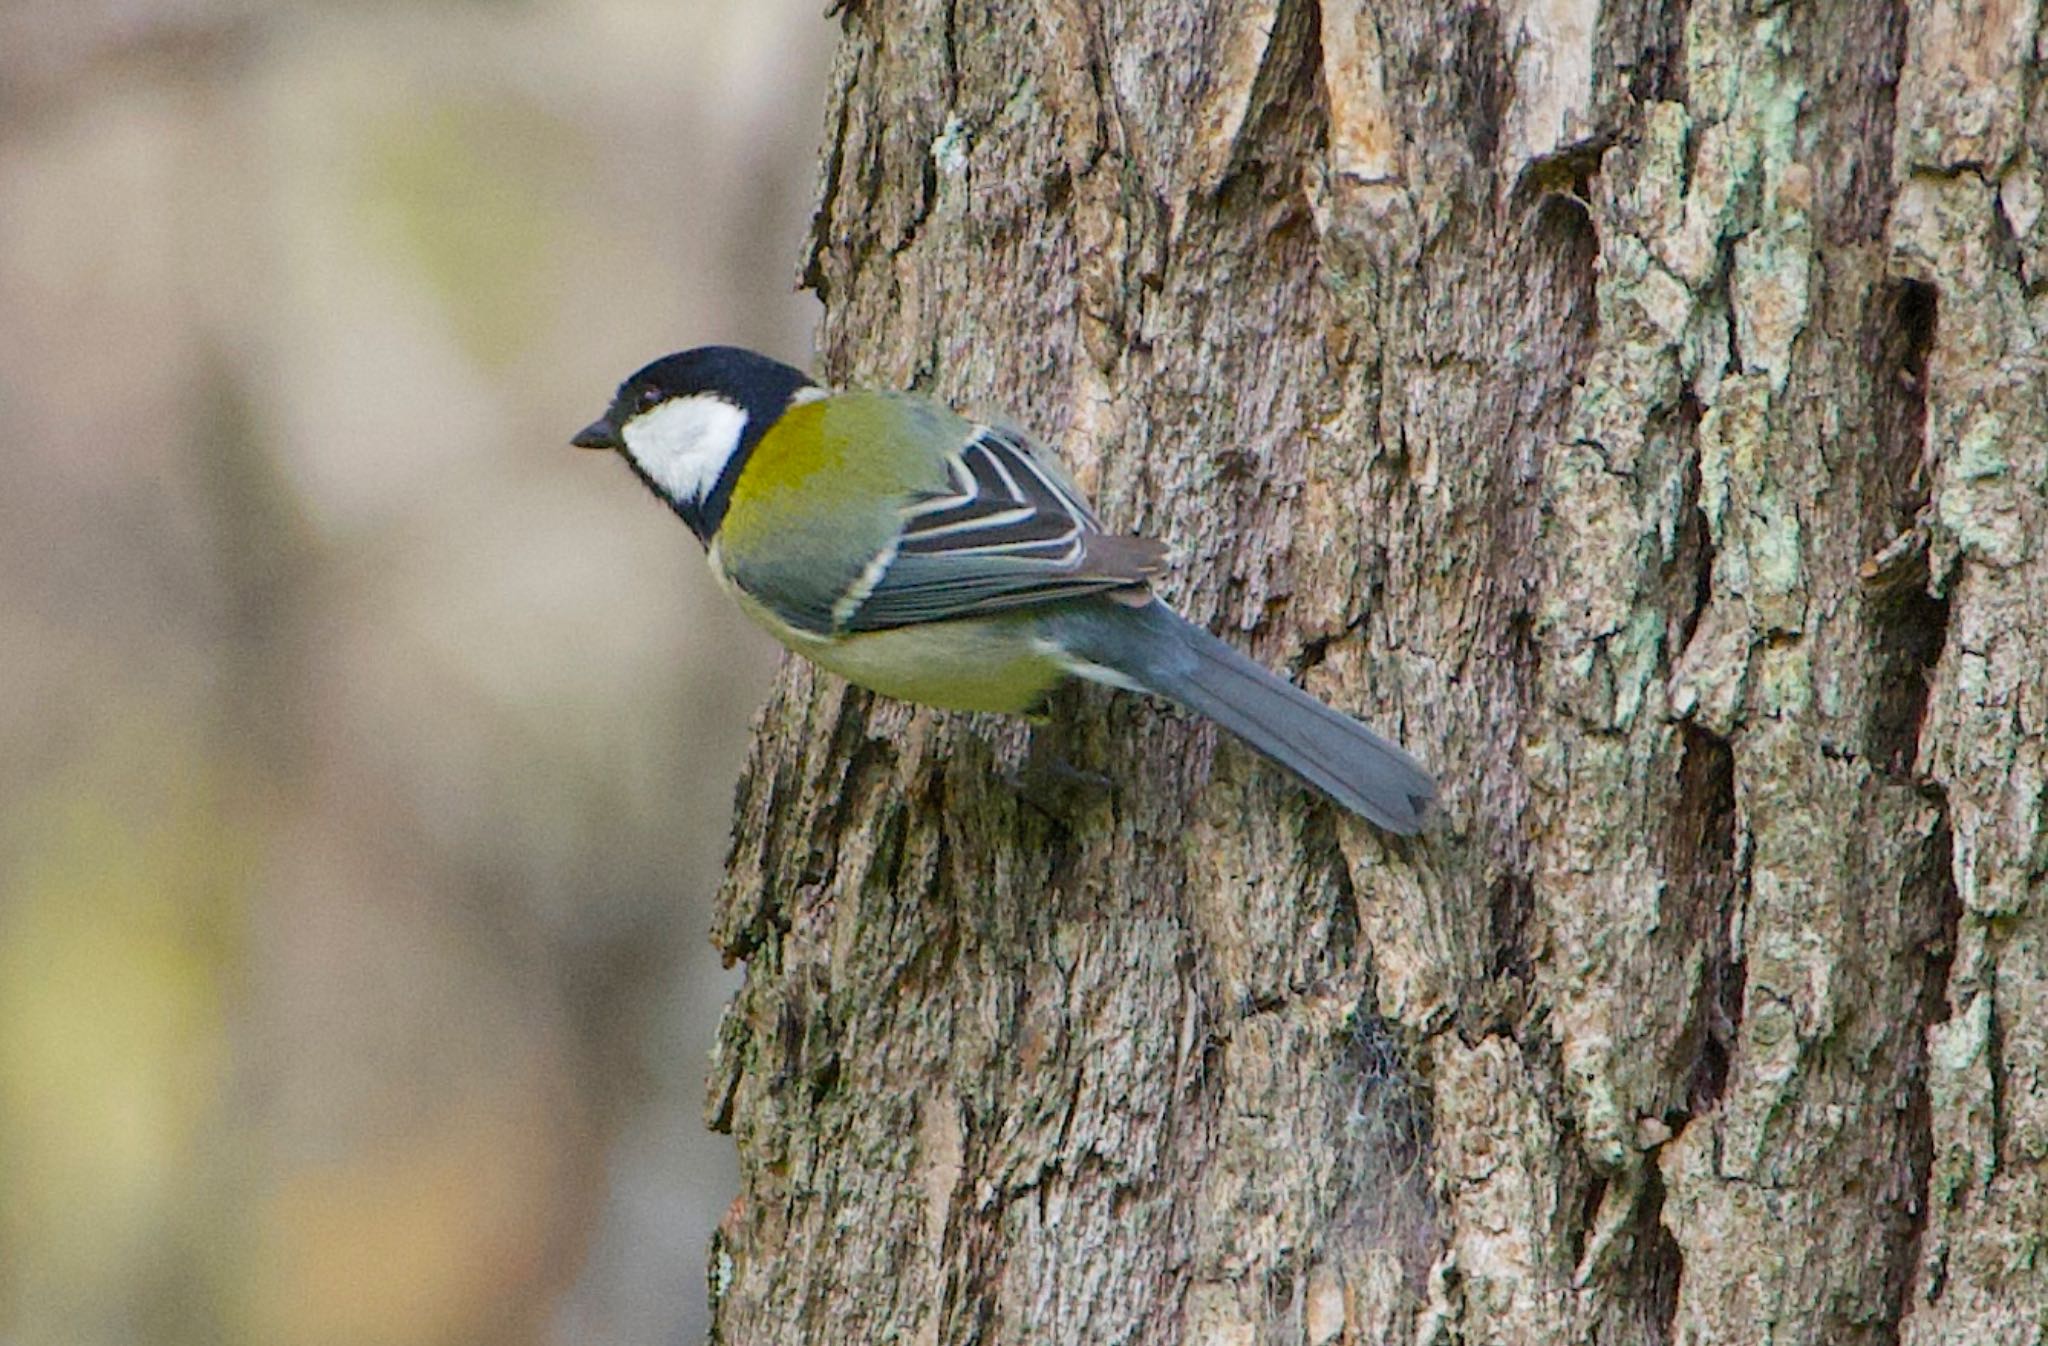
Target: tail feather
x,y
1159,651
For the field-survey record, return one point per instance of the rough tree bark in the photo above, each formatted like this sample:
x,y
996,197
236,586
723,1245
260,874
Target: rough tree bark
x,y
1639,411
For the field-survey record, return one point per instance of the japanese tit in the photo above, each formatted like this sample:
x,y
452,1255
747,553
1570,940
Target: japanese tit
x,y
951,563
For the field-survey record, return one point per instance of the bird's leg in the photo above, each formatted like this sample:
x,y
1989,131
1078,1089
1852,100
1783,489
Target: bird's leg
x,y
1046,779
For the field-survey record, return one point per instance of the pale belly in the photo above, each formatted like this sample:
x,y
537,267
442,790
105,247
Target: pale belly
x,y
991,663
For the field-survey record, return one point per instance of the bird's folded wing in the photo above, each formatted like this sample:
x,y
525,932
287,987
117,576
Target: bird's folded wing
x,y
1010,532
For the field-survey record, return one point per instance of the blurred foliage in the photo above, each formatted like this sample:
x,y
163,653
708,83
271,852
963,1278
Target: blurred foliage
x,y
120,936
418,1239
365,752
458,189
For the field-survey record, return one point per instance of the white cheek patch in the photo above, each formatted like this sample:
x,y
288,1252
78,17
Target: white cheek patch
x,y
683,445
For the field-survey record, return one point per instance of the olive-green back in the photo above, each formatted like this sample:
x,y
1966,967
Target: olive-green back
x,y
791,504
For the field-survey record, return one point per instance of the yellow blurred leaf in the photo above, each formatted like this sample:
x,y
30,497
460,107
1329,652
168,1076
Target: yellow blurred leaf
x,y
114,959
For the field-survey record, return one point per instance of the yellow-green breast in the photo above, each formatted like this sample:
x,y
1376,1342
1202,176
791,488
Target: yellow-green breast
x,y
791,503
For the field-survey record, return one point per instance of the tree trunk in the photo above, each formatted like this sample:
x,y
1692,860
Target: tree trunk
x,y
1638,411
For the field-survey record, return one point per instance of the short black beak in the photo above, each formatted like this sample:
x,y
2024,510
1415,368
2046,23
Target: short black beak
x,y
597,435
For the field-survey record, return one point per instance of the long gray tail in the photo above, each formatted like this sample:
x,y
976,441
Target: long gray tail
x,y
1159,651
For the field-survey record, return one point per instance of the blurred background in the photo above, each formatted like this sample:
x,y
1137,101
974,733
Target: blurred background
x,y
366,752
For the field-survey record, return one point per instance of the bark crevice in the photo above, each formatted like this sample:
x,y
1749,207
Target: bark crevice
x,y
1702,862
1932,894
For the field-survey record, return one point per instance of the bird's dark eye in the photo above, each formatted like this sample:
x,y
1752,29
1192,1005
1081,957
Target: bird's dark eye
x,y
648,398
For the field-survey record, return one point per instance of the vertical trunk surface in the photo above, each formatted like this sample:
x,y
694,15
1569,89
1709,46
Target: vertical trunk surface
x,y
1639,411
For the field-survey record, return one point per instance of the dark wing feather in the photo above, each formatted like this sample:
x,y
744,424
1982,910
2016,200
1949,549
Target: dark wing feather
x,y
1010,533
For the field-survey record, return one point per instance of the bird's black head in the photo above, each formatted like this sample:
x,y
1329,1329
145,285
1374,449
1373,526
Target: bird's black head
x,y
686,423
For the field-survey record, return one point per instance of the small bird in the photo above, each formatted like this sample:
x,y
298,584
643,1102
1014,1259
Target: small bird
x,y
951,563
